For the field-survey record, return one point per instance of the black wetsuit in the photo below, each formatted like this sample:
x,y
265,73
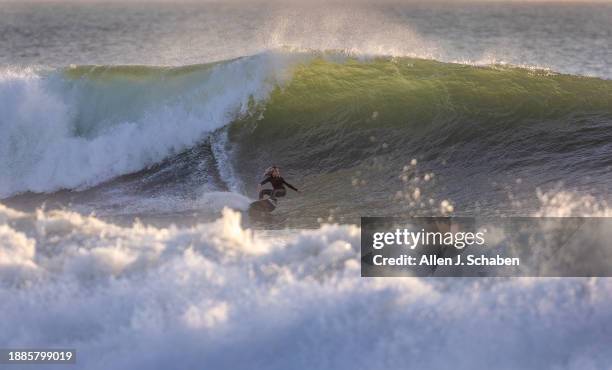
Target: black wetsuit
x,y
278,188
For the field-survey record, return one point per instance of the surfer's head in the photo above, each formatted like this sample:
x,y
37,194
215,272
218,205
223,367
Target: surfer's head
x,y
272,171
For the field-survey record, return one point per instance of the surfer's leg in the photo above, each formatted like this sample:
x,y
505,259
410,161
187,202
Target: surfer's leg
x,y
265,192
279,193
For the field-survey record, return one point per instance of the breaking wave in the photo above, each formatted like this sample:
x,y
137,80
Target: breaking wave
x,y
78,127
74,128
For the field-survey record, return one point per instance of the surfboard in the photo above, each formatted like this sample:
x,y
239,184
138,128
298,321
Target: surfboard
x,y
262,206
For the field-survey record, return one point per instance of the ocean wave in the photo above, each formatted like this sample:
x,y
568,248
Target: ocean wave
x,y
316,112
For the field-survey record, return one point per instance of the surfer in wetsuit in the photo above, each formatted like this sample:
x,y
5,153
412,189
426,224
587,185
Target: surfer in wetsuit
x,y
272,175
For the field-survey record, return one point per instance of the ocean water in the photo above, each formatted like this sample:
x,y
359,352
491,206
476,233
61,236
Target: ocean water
x,y
134,135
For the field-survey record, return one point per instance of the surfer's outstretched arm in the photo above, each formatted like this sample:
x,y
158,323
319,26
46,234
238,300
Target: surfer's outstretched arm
x,y
290,186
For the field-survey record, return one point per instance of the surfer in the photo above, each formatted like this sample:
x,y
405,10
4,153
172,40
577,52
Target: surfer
x,y
272,175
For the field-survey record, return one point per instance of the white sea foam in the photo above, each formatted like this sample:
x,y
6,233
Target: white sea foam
x,y
218,296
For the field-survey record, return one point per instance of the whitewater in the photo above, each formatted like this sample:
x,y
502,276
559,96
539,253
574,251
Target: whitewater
x,y
133,137
148,297
63,133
